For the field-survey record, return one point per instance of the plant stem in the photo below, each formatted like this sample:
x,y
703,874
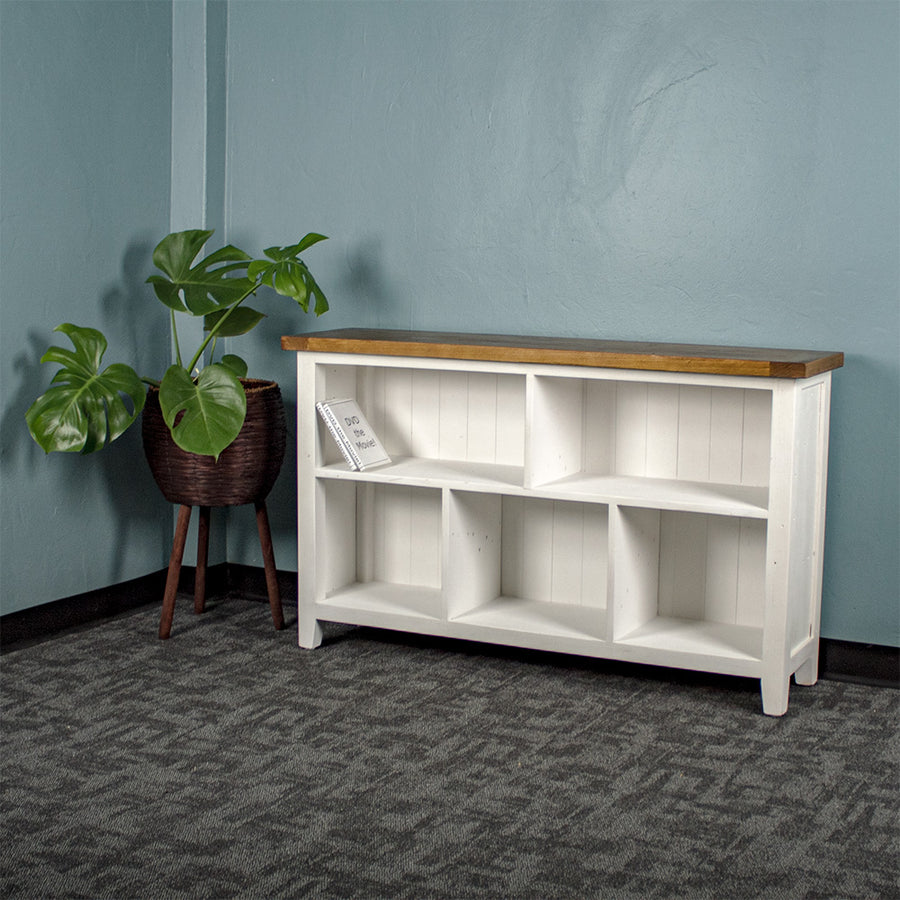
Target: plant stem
x,y
215,330
175,338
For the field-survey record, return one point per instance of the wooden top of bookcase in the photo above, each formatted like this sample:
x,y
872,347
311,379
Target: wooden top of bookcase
x,y
659,357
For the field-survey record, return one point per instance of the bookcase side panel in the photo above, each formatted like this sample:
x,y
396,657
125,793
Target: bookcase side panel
x,y
776,650
310,504
808,502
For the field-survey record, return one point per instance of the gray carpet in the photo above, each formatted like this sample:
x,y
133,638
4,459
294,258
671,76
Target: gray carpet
x,y
227,762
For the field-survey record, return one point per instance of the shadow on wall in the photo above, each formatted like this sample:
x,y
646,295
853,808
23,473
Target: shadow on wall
x,y
361,293
367,286
139,335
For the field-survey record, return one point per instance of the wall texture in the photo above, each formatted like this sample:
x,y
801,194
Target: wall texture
x,y
85,112
712,172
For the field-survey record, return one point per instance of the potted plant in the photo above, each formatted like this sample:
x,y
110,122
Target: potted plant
x,y
212,436
203,403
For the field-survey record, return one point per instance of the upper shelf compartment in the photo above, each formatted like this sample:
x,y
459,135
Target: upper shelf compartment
x,y
452,427
657,357
701,447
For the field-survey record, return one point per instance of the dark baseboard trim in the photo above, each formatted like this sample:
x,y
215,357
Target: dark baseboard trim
x,y
39,623
871,664
862,663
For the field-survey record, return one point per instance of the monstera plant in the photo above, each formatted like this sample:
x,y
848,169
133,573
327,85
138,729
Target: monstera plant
x,y
202,399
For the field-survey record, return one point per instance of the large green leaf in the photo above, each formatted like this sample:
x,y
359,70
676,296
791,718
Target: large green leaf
x,y
202,288
236,364
288,275
84,409
240,320
213,408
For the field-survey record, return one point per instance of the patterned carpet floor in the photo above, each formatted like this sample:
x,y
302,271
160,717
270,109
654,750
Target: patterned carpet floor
x,y
227,762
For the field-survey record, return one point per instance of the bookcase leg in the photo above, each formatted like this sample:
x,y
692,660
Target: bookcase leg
x,y
808,673
309,632
775,695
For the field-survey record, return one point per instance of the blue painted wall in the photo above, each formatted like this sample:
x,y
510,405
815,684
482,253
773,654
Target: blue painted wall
x,y
85,113
711,172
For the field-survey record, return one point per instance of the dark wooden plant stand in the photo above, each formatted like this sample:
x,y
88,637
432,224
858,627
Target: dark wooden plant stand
x,y
181,530
244,473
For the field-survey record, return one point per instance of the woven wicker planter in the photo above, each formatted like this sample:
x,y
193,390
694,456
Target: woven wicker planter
x,y
245,470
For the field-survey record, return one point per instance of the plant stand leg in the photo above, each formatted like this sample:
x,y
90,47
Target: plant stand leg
x,y
168,609
202,557
265,542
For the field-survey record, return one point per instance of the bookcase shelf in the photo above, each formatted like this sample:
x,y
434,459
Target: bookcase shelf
x,y
655,503
435,472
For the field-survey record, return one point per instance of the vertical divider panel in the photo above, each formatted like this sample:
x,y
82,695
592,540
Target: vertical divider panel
x,y
472,574
556,433
634,568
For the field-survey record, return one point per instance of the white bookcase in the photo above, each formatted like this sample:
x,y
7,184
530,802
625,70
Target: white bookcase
x,y
660,504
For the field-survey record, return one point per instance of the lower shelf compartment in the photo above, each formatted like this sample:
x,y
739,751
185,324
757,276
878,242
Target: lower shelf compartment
x,y
698,638
537,617
381,599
